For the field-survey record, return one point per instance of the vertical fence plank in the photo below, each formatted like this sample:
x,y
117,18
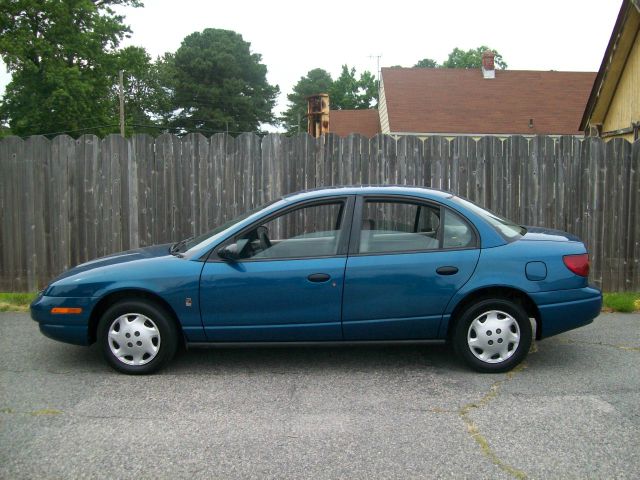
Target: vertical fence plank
x,y
625,248
38,171
12,152
143,155
593,182
514,166
633,222
547,178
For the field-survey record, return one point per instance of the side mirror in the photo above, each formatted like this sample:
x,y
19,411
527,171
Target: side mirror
x,y
233,251
229,252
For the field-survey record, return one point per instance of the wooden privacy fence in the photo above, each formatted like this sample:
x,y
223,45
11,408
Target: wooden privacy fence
x,y
65,201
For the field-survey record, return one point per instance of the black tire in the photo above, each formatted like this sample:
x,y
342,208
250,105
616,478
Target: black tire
x,y
132,316
499,312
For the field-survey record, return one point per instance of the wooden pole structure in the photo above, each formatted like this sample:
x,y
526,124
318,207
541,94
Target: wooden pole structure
x,y
121,94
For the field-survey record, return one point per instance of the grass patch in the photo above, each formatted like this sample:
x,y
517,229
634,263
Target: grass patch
x,y
16,302
622,302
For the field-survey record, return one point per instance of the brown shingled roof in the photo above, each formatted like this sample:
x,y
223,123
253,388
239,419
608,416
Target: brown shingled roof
x,y
447,100
345,122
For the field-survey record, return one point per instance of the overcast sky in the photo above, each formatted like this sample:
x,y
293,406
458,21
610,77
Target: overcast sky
x,y
294,37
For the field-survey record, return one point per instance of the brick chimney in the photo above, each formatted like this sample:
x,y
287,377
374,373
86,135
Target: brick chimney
x,y
488,65
318,114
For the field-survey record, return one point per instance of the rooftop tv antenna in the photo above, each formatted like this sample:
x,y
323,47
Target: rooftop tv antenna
x,y
377,57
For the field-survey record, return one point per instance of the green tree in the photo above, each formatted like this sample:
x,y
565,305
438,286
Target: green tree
x,y
148,93
294,119
471,58
4,131
426,63
347,92
351,93
62,57
220,84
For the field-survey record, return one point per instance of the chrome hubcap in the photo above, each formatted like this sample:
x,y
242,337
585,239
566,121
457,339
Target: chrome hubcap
x,y
494,336
134,339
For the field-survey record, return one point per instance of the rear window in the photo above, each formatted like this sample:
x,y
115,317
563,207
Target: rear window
x,y
507,228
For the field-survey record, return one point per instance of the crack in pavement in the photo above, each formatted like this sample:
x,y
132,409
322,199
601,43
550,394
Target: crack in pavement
x,y
566,341
473,430
35,413
53,411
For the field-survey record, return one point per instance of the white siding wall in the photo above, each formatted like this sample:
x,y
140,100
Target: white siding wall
x,y
382,110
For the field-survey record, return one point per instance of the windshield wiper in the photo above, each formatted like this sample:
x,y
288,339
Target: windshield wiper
x,y
175,248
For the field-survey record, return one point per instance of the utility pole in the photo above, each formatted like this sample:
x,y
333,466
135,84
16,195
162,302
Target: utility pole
x,y
121,94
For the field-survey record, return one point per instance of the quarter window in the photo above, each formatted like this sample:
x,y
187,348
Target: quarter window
x,y
457,232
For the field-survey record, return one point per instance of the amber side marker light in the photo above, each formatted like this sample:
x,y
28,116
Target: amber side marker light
x,y
67,310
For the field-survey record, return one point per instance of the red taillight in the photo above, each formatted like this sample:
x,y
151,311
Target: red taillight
x,y
578,264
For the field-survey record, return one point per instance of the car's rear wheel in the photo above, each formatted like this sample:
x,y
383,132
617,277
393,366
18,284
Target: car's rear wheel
x,y
137,337
493,335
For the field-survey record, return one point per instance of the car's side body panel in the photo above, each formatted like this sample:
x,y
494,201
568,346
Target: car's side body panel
x,y
505,266
173,279
272,300
400,296
69,328
563,310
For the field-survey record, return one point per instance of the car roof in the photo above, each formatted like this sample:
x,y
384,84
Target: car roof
x,y
367,190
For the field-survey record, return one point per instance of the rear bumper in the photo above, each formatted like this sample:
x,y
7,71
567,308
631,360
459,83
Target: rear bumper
x,y
563,310
68,328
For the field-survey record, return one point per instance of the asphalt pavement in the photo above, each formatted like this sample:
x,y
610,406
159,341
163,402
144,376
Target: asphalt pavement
x,y
571,411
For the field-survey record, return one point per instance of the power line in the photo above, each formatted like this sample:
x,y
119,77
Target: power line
x,y
72,131
188,129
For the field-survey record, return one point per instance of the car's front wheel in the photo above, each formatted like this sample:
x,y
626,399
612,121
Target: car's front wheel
x,y
137,337
493,335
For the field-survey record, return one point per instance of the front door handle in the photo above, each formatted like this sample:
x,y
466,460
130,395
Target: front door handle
x,y
448,270
318,277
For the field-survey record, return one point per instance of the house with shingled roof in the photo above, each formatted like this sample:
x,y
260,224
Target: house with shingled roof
x,y
613,109
474,102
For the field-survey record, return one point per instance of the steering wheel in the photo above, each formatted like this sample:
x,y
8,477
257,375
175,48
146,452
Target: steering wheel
x,y
262,232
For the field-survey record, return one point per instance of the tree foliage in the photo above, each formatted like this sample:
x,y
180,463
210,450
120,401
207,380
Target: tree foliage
x,y
316,81
64,60
62,56
148,95
471,58
347,92
220,84
458,58
351,93
426,63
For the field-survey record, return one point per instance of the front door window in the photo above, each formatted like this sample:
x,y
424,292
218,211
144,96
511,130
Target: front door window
x,y
311,231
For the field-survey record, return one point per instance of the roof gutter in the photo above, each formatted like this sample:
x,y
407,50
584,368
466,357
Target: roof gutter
x,y
634,128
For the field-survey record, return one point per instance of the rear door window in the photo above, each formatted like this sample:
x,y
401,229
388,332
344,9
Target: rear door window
x,y
403,226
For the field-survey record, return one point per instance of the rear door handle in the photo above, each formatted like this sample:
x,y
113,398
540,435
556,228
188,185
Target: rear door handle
x,y
318,277
448,270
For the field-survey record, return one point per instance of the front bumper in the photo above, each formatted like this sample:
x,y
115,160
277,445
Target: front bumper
x,y
68,328
563,310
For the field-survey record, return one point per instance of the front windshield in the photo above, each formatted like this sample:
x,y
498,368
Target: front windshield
x,y
507,228
192,242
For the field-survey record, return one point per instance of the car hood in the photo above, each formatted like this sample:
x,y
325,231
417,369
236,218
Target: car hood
x,y
549,234
120,257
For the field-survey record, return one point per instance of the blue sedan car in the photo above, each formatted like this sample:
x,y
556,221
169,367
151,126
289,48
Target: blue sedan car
x,y
345,264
